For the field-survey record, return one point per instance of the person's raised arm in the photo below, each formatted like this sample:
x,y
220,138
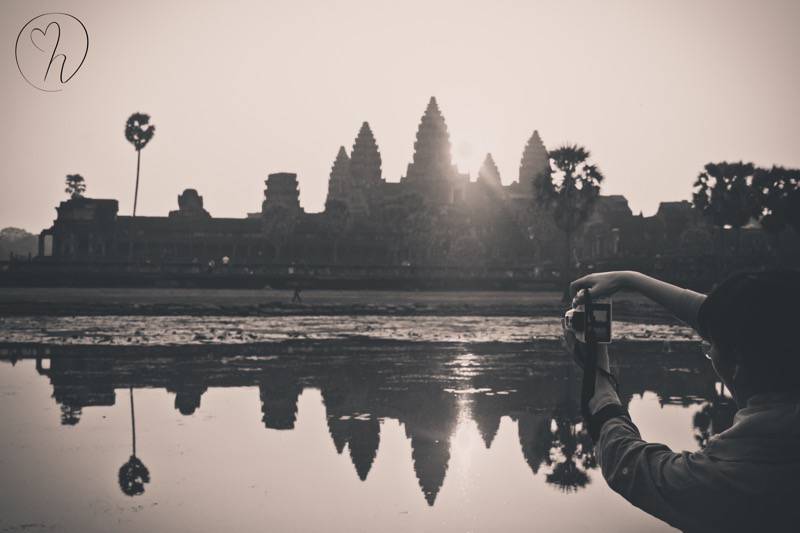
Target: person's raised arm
x,y
683,303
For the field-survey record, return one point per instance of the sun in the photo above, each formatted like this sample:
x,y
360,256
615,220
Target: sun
x,y
466,156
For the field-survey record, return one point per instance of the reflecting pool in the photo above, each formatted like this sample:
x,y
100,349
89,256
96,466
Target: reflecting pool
x,y
354,435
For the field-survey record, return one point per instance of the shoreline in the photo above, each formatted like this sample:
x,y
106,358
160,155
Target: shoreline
x,y
94,302
542,350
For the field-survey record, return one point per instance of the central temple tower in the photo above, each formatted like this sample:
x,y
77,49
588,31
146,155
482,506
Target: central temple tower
x,y
431,171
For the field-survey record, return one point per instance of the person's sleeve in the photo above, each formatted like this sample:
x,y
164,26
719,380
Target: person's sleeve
x,y
690,303
665,484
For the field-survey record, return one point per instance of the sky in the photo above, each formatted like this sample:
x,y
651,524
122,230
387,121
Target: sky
x,y
241,89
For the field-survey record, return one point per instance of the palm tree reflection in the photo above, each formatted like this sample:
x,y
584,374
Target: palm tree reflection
x,y
70,414
571,454
133,474
715,416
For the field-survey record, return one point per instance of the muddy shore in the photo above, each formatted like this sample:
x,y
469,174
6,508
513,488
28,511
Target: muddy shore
x,y
209,330
17,302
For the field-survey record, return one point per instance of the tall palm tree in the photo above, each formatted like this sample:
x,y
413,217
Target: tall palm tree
x,y
138,131
133,474
569,190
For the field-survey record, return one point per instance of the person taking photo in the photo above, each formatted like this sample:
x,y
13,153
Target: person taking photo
x,y
748,477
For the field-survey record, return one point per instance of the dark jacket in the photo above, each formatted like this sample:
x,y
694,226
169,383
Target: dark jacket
x,y
746,479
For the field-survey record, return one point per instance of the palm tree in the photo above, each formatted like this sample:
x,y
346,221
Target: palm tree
x,y
570,191
76,185
138,131
133,474
723,194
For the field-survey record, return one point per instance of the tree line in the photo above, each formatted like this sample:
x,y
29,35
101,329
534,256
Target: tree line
x,y
728,195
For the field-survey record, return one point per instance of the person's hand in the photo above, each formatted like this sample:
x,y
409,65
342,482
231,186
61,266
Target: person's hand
x,y
573,345
604,391
600,285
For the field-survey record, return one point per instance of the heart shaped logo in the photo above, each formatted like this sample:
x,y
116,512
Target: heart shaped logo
x,y
50,49
47,40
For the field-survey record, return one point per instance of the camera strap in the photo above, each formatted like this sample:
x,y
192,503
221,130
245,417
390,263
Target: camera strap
x,y
590,361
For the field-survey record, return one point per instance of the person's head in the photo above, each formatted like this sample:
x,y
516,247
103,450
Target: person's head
x,y
752,321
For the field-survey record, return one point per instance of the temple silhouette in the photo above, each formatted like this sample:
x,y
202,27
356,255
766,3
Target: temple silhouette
x,y
417,386
434,216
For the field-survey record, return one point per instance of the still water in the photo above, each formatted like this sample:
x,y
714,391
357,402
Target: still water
x,y
340,436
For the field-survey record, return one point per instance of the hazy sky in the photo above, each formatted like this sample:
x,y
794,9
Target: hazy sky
x,y
241,89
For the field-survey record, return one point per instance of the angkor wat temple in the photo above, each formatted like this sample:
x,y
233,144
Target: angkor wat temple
x,y
434,216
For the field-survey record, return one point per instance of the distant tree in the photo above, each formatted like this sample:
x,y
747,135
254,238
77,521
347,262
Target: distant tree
x,y
76,185
138,131
722,193
17,242
569,191
774,190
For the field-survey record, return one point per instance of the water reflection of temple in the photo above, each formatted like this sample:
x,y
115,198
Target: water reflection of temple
x,y
426,392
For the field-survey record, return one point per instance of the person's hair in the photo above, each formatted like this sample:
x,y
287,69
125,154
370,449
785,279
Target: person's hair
x,y
754,320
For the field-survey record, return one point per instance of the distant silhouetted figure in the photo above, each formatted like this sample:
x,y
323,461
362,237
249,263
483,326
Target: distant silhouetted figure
x,y
296,295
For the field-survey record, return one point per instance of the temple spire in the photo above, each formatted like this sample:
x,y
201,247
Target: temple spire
x,y
432,161
535,439
364,441
535,163
339,179
365,159
489,174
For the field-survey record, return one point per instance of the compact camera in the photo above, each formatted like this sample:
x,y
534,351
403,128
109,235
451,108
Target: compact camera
x,y
576,320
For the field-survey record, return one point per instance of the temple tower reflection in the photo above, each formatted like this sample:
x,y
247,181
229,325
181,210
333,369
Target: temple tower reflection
x,y
279,390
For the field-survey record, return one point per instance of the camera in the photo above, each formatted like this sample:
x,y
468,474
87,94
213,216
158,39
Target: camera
x,y
576,321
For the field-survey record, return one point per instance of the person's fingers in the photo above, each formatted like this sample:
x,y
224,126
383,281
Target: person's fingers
x,y
570,343
586,282
575,286
580,297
